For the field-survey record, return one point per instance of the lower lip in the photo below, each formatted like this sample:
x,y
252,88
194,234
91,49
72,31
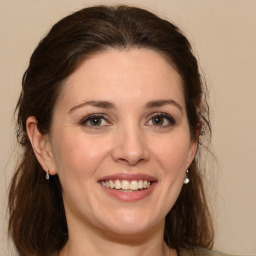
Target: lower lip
x,y
129,196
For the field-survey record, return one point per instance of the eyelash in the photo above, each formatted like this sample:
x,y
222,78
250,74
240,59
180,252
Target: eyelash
x,y
171,121
94,116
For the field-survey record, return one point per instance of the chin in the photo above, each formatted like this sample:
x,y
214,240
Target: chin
x,y
132,224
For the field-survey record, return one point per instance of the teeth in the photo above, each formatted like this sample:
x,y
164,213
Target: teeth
x,y
126,185
111,184
140,184
117,184
134,185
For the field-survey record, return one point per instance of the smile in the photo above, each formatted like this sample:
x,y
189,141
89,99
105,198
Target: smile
x,y
125,185
128,187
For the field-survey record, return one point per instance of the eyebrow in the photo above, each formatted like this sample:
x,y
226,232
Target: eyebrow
x,y
160,103
110,105
94,103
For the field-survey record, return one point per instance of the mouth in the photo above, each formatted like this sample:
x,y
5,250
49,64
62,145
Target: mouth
x,y
126,185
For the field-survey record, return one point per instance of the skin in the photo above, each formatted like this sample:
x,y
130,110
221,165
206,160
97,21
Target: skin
x,y
128,140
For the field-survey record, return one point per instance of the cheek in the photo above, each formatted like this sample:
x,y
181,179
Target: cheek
x,y
172,154
77,156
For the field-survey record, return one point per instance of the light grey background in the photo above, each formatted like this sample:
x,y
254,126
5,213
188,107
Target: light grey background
x,y
223,35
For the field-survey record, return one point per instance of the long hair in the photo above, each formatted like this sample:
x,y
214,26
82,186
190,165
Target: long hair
x,y
37,222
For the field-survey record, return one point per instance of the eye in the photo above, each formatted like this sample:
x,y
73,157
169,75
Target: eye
x,y
95,121
161,120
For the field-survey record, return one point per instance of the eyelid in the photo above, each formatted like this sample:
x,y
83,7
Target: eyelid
x,y
170,119
98,115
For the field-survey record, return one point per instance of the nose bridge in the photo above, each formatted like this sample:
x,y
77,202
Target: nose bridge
x,y
130,146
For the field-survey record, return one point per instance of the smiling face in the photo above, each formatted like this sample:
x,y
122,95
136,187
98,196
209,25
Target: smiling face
x,y
120,141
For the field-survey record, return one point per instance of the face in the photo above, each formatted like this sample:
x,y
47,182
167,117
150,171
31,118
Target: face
x,y
120,141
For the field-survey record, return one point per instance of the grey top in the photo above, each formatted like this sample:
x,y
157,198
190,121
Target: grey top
x,y
196,252
203,252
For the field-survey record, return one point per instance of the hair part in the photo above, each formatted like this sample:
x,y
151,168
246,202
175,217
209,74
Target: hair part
x,y
37,222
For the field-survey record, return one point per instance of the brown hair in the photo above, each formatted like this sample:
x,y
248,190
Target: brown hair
x,y
37,222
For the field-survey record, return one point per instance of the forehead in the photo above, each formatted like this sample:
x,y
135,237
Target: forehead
x,y
123,75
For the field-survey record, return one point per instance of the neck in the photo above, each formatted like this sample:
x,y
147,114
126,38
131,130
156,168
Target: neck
x,y
94,241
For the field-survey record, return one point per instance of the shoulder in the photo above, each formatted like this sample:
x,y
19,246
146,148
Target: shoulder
x,y
202,252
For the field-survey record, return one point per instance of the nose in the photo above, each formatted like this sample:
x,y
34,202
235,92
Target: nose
x,y
130,146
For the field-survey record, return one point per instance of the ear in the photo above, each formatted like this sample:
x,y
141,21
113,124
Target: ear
x,y
41,146
192,151
194,144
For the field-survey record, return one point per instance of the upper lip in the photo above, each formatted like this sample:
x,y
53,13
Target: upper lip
x,y
128,176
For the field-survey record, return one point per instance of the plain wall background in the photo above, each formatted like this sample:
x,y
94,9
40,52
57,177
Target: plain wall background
x,y
223,35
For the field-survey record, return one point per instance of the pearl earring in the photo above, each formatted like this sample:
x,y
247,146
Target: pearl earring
x,y
47,175
186,180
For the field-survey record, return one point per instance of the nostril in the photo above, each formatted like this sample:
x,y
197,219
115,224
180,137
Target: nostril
x,y
130,148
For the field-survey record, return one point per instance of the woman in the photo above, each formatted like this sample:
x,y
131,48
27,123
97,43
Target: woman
x,y
110,118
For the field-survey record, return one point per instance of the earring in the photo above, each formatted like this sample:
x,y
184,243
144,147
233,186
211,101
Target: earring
x,y
186,180
47,175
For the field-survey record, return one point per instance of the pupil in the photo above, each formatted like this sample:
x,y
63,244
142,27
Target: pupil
x,y
158,120
95,121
